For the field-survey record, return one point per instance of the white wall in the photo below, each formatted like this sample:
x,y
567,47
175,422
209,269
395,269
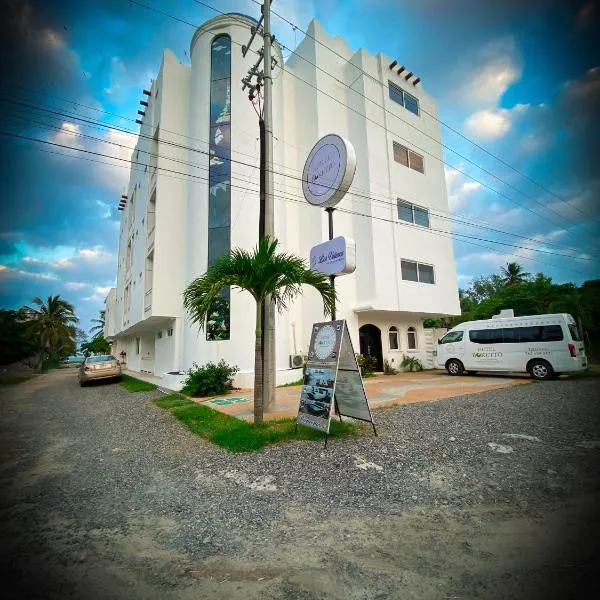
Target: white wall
x,y
375,293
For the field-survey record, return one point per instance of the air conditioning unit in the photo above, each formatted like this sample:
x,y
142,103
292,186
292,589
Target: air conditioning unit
x,y
296,361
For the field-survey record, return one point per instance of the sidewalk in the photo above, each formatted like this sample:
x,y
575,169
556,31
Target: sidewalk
x,y
382,391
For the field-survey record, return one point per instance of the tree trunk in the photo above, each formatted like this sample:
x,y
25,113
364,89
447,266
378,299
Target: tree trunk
x,y
258,367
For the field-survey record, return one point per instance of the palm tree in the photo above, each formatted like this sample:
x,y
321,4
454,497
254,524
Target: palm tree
x,y
52,324
262,272
513,273
98,329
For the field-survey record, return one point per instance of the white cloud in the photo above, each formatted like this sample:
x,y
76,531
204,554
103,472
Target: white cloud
x,y
489,74
75,285
99,294
488,124
459,188
7,272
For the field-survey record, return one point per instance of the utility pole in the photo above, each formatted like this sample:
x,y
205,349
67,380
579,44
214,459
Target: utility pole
x,y
267,200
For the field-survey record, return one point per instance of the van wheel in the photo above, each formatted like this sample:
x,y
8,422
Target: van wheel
x,y
455,367
540,370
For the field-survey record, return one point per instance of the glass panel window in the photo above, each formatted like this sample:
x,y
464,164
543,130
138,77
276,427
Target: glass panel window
x,y
551,333
405,211
451,337
426,274
421,216
411,336
409,270
396,93
510,335
574,333
411,103
393,336
416,161
219,178
400,154
528,334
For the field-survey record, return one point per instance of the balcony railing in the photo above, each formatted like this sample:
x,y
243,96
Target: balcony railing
x,y
147,300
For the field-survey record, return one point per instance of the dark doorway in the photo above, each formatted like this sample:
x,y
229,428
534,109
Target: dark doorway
x,y
370,344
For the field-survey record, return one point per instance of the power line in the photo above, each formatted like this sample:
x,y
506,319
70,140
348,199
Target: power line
x,y
301,201
451,215
546,207
421,109
369,199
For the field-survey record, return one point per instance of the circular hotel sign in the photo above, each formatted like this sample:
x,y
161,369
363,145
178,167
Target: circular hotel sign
x,y
328,171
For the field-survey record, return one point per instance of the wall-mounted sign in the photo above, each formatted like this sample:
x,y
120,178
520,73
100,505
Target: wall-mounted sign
x,y
328,171
332,379
334,257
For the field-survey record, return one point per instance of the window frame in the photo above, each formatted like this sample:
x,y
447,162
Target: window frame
x,y
407,204
402,94
418,264
412,330
408,155
393,330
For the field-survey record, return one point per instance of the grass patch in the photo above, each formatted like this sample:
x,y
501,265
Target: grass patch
x,y
15,378
132,384
292,383
240,436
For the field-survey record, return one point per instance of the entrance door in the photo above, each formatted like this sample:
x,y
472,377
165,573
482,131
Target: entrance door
x,y
370,344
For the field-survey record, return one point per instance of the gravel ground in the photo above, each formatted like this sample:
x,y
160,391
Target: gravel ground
x,y
490,495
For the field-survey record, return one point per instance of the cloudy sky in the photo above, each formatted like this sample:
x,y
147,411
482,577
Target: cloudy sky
x,y
517,83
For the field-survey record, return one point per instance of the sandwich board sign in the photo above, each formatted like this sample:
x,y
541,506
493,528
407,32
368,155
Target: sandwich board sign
x,y
332,379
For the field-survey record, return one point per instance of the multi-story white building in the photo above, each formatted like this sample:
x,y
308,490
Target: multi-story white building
x,y
193,195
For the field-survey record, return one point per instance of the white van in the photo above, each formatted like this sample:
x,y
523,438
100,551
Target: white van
x,y
542,345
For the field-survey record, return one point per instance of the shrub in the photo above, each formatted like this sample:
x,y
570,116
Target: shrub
x,y
411,363
367,364
388,369
210,379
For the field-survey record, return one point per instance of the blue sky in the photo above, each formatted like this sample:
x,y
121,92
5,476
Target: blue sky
x,y
520,79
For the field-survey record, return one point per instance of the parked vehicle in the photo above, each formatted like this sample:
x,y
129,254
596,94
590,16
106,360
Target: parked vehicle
x,y
98,367
542,345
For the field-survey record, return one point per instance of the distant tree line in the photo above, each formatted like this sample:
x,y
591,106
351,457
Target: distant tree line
x,y
46,332
529,294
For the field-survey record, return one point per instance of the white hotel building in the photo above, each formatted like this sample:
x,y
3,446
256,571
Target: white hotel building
x,y
187,203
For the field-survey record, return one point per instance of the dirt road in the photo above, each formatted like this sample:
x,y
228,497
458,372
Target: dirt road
x,y
492,495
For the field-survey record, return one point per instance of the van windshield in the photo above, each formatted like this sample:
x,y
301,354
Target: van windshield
x,y
574,333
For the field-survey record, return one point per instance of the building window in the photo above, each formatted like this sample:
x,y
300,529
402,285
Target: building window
x,y
408,158
413,214
159,335
219,179
393,337
411,338
137,345
170,332
403,98
414,271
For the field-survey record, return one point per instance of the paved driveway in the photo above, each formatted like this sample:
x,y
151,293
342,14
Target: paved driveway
x,y
491,495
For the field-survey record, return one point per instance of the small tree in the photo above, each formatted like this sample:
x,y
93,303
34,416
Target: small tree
x,y
263,272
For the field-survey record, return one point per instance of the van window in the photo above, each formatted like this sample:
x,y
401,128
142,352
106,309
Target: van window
x,y
517,335
574,333
453,336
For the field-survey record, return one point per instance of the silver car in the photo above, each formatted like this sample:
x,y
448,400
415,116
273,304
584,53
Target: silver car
x,y
98,367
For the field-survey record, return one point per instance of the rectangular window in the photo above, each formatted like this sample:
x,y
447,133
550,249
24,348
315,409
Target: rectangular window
x,y
414,271
453,336
518,335
409,270
398,95
393,337
159,335
137,345
170,332
426,274
408,158
413,214
574,333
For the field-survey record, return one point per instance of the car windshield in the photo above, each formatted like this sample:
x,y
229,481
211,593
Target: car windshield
x,y
100,359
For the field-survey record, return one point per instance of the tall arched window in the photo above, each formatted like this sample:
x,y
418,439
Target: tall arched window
x,y
393,338
411,335
219,178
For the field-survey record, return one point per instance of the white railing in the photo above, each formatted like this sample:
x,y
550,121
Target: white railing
x,y
148,300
